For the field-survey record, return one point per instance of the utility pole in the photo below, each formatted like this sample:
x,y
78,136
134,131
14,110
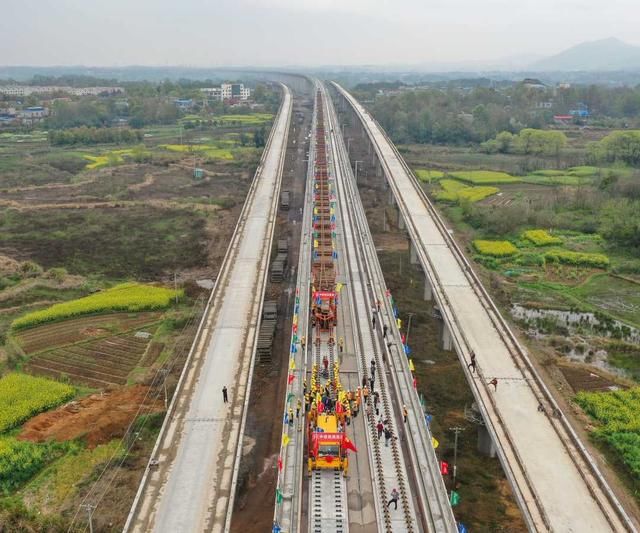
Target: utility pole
x,y
175,285
89,508
164,372
457,430
357,170
349,146
406,339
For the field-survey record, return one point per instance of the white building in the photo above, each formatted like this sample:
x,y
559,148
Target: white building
x,y
228,91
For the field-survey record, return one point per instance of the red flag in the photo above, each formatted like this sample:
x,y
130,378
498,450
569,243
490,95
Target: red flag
x,y
290,379
320,407
316,445
280,464
415,383
346,443
339,407
444,468
404,338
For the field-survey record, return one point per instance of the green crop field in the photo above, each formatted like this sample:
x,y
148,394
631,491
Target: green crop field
x,y
427,175
619,415
540,237
484,177
495,248
253,119
19,461
130,297
454,191
22,396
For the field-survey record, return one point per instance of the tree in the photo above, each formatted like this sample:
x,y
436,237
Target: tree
x,y
620,222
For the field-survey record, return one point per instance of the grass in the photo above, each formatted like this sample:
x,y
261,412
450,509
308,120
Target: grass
x,y
23,396
61,480
618,297
130,297
484,177
136,242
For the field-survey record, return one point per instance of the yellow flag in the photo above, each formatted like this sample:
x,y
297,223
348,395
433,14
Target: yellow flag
x,y
411,367
285,440
338,287
433,441
399,322
292,364
315,243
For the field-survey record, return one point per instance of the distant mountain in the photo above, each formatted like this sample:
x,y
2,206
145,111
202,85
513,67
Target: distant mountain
x,y
606,54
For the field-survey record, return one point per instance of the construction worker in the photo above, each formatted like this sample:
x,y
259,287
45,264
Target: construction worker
x,y
384,331
404,413
304,386
494,382
340,344
298,407
378,305
290,416
303,342
380,428
472,364
365,393
325,364
348,415
395,495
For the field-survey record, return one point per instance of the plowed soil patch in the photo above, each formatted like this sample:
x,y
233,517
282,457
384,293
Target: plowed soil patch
x,y
99,417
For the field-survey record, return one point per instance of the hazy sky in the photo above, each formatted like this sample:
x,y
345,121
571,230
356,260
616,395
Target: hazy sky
x,y
301,32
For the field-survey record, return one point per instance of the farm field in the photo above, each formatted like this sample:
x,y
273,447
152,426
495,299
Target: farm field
x,y
23,396
81,329
130,297
98,363
619,424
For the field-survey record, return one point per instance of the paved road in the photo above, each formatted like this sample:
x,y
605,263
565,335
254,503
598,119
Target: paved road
x,y
193,488
554,487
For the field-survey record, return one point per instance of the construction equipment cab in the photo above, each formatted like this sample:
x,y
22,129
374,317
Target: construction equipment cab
x,y
328,447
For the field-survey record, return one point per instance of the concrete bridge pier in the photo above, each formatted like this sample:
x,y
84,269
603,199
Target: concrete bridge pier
x,y
391,199
485,442
428,292
401,224
413,253
446,340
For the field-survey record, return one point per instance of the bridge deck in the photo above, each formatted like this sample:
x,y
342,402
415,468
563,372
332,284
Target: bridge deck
x,y
193,487
568,494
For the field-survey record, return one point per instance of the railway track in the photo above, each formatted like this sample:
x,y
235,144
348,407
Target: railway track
x,y
534,502
424,489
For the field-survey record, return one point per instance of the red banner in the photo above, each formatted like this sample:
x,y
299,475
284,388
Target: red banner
x,y
324,294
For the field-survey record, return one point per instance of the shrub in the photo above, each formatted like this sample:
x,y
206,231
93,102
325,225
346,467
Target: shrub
x,y
540,237
483,177
495,248
577,258
130,297
23,396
